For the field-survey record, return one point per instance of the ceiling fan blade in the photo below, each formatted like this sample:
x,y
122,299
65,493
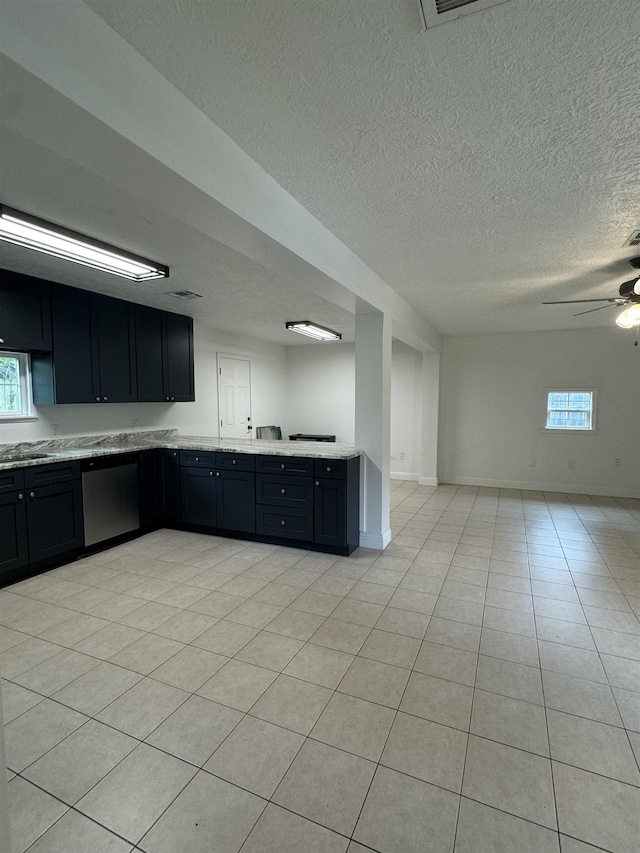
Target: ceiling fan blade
x,y
571,301
591,310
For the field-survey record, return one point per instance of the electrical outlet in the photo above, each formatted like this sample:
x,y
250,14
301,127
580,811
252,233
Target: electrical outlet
x,y
56,429
532,462
134,424
402,454
572,464
616,461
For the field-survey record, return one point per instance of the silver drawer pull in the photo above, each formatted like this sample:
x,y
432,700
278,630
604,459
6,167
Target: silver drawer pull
x,y
283,523
233,462
211,473
20,497
197,458
217,473
317,482
328,468
282,466
32,494
283,491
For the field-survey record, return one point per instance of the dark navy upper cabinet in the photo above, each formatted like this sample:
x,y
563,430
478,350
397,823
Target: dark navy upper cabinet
x,y
164,356
115,349
25,312
236,500
150,361
106,350
178,354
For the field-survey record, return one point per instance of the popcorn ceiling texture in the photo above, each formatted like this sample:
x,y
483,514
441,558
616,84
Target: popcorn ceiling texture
x,y
478,168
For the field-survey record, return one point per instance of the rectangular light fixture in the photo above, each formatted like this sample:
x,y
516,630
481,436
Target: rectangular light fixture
x,y
21,229
313,330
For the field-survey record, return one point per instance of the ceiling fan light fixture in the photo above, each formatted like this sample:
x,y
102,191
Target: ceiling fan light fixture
x,y
630,317
22,229
313,330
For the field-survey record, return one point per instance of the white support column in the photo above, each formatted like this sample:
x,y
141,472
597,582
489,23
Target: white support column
x,y
429,440
373,424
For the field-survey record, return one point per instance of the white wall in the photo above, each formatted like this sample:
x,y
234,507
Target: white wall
x,y
492,410
406,411
321,390
268,379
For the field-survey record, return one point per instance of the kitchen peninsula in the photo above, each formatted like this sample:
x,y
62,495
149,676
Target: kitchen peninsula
x,y
300,494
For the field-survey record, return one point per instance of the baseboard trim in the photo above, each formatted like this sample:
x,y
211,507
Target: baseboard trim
x,y
376,541
524,485
399,475
428,481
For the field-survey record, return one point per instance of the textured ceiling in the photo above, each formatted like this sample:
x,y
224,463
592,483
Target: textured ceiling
x,y
478,168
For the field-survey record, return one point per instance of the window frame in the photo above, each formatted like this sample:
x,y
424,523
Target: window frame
x,y
560,430
26,412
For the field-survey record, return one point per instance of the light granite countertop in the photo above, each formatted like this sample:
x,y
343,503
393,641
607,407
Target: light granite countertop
x,y
83,447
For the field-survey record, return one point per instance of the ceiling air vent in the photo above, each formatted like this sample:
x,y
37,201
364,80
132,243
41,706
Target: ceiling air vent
x,y
185,294
433,12
634,239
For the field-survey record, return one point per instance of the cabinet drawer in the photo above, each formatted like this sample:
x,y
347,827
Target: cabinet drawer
x,y
236,461
43,475
286,522
284,465
330,468
11,480
284,491
198,458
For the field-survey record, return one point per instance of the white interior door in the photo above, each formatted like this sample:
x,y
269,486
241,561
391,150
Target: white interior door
x,y
234,396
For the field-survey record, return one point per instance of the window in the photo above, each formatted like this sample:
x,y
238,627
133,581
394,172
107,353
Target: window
x,y
15,386
571,410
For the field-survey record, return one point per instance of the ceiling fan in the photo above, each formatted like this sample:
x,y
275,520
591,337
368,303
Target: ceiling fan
x,y
629,295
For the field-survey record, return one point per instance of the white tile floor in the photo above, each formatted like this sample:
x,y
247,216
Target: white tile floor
x,y
475,688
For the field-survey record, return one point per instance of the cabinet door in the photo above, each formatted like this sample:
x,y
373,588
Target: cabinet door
x,y
71,369
150,492
170,485
179,358
54,520
116,351
150,362
14,550
330,512
198,487
236,497
25,312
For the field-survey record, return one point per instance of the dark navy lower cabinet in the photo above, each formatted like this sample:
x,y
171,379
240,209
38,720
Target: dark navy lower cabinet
x,y
149,487
54,520
14,543
284,523
170,488
336,504
236,500
198,491
38,525
330,512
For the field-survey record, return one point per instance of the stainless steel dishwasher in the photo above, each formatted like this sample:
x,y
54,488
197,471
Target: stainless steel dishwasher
x,y
110,496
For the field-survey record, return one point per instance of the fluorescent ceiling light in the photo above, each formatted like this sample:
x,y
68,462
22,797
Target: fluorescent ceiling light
x,y
312,330
21,229
630,317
